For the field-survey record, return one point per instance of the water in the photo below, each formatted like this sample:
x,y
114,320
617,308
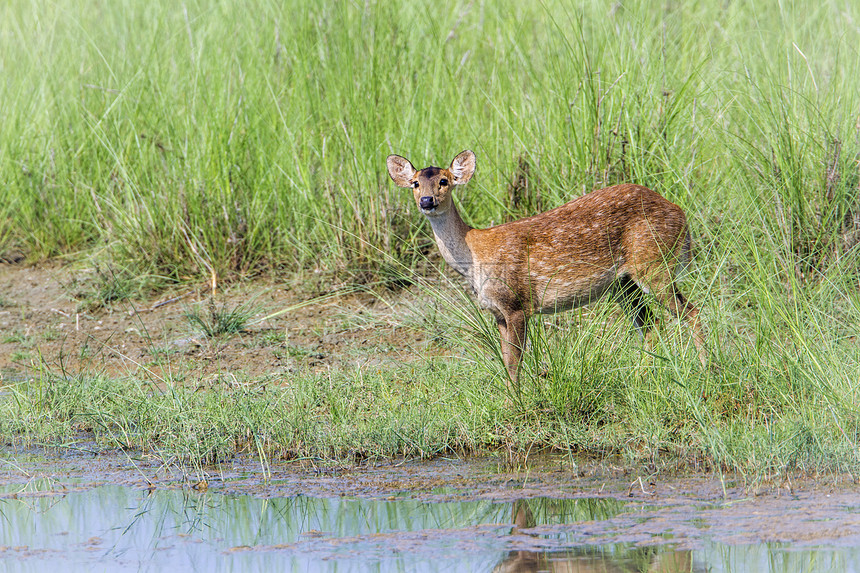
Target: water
x,y
46,524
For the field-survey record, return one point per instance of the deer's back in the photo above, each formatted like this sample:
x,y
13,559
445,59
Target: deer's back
x,y
571,254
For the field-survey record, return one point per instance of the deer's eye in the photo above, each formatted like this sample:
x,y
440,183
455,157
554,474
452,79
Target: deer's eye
x,y
415,184
443,183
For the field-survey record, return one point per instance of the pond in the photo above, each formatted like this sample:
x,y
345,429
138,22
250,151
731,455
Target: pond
x,y
236,523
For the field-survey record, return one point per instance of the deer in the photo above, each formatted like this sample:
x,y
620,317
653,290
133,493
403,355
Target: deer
x,y
626,242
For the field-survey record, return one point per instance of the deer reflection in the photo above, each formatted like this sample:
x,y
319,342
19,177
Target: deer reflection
x,y
588,560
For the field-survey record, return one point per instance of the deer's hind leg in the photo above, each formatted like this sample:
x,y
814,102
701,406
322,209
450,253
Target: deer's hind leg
x,y
679,306
635,305
662,286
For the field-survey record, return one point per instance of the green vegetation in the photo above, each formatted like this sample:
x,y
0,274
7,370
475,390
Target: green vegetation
x,y
110,286
758,418
215,141
220,320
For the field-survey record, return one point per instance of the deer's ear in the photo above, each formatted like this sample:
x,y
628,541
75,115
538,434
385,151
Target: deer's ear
x,y
463,167
400,170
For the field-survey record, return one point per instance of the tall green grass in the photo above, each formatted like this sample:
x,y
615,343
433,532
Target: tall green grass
x,y
250,137
187,140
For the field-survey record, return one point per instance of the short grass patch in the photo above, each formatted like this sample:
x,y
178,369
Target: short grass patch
x,y
761,420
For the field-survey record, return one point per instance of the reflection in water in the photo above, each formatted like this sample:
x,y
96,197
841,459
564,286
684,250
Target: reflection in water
x,y
111,528
596,561
654,559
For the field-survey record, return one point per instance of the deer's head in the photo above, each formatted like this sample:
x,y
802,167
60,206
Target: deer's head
x,y
432,186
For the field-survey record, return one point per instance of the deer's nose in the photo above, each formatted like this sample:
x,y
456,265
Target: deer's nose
x,y
427,203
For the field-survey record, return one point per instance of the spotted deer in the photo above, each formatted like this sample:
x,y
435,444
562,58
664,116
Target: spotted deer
x,y
624,241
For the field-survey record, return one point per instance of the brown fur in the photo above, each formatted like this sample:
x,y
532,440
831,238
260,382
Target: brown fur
x,y
624,240
574,561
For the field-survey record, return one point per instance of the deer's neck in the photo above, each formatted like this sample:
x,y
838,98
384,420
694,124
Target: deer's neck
x,y
450,232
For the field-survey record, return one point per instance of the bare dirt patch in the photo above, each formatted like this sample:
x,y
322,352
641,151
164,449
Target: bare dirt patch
x,y
47,319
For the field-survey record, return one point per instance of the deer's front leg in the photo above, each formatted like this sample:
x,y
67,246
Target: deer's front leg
x,y
512,328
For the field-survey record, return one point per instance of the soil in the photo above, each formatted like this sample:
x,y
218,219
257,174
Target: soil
x,y
51,316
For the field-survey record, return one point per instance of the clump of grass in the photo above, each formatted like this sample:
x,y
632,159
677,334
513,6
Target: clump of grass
x,y
18,337
221,320
110,285
20,357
